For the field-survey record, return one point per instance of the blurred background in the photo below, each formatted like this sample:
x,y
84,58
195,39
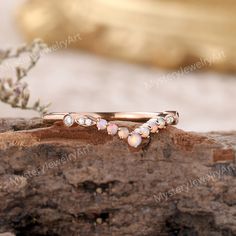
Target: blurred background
x,y
108,55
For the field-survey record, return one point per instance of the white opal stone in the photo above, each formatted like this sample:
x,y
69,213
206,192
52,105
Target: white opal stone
x,y
134,140
145,125
102,124
112,129
88,122
153,126
145,132
68,120
123,133
137,130
161,122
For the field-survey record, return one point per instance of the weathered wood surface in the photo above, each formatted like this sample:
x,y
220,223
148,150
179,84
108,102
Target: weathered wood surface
x,y
78,181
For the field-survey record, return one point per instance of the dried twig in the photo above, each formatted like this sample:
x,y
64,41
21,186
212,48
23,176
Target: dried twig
x,y
14,91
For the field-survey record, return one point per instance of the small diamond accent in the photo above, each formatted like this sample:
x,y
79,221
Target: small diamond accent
x,y
170,120
68,120
81,120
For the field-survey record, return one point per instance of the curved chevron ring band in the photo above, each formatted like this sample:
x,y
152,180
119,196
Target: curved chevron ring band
x,y
152,122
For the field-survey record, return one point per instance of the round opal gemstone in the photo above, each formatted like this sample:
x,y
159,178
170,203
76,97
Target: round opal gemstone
x,y
81,121
68,120
153,126
170,120
112,129
102,124
161,122
138,130
134,140
144,131
123,133
88,122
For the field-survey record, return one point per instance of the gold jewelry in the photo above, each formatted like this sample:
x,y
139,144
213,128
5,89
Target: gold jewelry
x,y
153,122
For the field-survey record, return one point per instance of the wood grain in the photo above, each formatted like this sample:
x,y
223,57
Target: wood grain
x,y
78,181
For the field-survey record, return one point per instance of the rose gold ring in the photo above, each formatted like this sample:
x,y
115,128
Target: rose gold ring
x,y
152,122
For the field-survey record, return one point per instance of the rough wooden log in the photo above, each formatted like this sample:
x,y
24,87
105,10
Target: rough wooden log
x,y
78,181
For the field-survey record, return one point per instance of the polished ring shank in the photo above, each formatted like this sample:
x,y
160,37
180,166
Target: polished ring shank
x,y
111,116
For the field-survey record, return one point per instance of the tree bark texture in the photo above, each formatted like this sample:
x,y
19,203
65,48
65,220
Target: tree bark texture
x,y
79,181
